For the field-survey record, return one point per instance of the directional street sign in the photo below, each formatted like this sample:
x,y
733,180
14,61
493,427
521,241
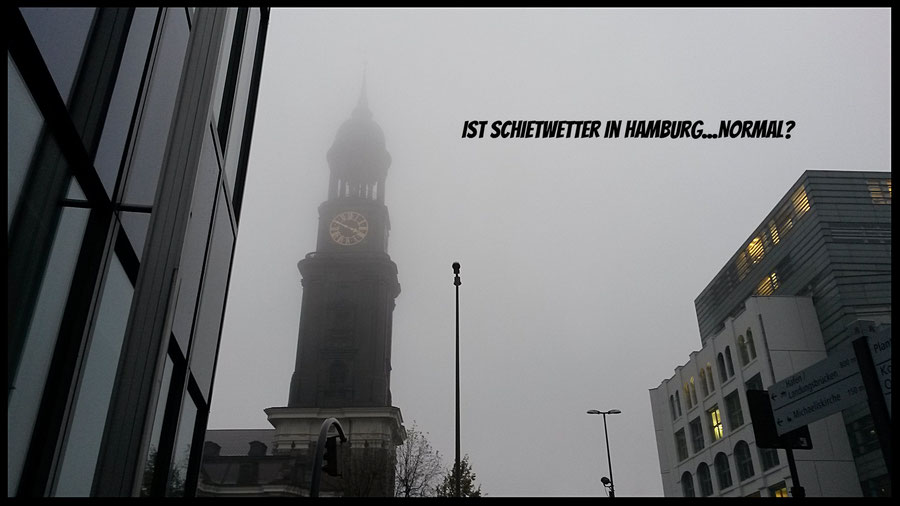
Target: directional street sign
x,y
819,390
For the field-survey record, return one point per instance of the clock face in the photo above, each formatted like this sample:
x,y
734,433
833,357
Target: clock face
x,y
348,228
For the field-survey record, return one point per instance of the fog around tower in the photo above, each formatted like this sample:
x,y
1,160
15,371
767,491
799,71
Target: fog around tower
x,y
580,257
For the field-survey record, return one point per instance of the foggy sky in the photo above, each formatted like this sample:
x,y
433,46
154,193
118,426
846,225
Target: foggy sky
x,y
581,258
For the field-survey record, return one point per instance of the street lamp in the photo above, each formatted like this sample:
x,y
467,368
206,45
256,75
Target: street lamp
x,y
612,489
457,282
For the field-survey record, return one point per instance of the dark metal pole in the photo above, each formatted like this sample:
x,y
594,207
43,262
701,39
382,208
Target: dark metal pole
x,y
612,484
796,489
457,282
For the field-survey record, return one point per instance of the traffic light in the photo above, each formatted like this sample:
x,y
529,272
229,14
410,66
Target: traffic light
x,y
330,459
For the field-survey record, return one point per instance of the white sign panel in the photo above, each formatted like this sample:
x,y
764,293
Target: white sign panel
x,y
819,390
880,346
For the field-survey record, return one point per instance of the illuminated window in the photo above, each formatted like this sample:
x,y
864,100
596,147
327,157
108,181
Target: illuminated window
x,y
709,376
751,347
768,285
779,490
801,203
693,392
773,232
715,423
880,191
681,445
703,386
755,249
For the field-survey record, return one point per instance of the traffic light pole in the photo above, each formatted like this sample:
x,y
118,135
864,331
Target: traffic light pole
x,y
320,453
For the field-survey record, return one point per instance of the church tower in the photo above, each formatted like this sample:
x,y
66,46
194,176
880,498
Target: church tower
x,y
343,363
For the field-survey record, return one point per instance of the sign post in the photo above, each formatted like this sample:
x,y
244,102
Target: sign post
x,y
876,374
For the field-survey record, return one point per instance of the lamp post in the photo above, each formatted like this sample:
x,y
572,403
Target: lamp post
x,y
612,488
457,282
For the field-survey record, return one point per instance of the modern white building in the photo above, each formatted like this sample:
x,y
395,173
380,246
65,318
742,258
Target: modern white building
x,y
704,434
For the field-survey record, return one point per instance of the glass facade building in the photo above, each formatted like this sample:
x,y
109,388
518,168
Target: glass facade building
x,y
129,132
828,238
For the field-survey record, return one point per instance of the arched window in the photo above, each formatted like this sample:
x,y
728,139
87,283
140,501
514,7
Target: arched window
x,y
742,351
728,362
709,376
723,471
750,345
687,396
678,403
722,372
706,487
703,386
693,392
672,406
743,460
687,484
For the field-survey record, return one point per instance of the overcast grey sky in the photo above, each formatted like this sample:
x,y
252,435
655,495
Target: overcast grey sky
x,y
581,258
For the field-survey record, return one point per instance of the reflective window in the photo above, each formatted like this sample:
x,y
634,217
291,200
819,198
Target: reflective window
x,y
212,302
687,484
124,97
23,126
95,390
152,462
754,383
34,362
195,241
60,34
743,460
733,409
136,226
681,445
181,454
723,471
751,346
697,434
232,146
226,73
706,487
768,458
156,118
728,361
722,372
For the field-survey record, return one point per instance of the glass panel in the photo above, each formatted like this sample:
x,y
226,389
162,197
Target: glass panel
x,y
76,474
60,35
23,126
136,226
156,119
181,454
28,384
151,464
195,240
124,97
223,63
235,134
212,302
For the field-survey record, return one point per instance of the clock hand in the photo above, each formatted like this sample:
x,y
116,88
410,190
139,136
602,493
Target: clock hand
x,y
354,230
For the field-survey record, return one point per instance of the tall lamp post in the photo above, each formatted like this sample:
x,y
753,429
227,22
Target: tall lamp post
x,y
457,282
612,488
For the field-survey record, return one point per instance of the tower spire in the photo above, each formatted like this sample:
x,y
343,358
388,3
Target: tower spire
x,y
362,105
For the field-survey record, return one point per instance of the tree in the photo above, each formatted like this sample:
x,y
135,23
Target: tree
x,y
467,486
418,465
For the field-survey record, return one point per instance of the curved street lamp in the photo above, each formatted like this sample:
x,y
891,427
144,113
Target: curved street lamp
x,y
604,480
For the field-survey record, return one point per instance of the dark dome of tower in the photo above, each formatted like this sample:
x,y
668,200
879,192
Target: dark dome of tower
x,y
358,152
